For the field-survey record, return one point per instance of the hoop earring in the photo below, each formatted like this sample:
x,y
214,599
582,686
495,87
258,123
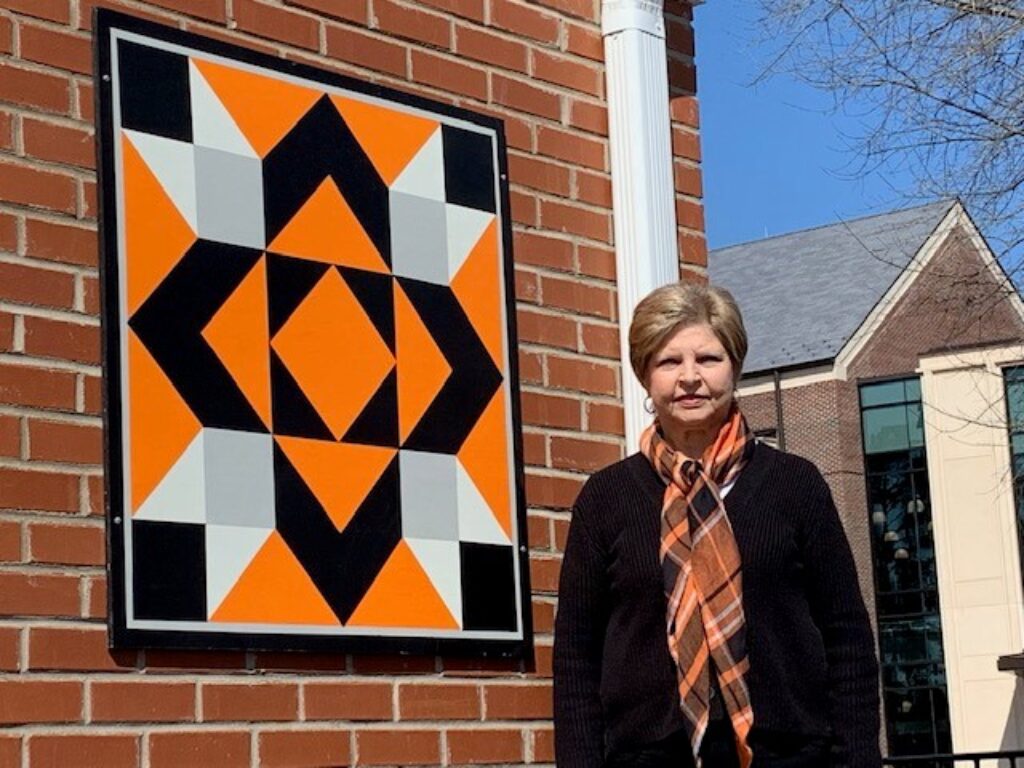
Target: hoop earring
x,y
649,405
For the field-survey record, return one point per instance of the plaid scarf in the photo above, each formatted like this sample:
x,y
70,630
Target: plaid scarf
x,y
703,577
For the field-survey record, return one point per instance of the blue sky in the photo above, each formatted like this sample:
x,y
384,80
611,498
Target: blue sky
x,y
775,159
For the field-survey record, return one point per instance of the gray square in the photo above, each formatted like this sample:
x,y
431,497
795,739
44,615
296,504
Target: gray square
x,y
419,239
229,198
239,469
430,495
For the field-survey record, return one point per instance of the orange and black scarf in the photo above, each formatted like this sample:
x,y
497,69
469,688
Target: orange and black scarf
x,y
703,577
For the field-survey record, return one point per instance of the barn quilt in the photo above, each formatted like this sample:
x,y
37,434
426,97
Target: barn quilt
x,y
311,413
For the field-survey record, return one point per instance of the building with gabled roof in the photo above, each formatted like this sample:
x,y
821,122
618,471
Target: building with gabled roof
x,y
835,276
890,351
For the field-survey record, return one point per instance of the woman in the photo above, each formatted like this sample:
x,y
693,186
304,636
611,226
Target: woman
x,y
708,603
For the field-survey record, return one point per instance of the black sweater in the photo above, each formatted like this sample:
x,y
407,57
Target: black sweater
x,y
813,672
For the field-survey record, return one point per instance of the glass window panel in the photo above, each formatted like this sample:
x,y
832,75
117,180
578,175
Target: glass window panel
x,y
922,490
915,425
881,394
902,544
917,458
888,462
1015,396
913,389
885,429
890,489
940,706
1017,444
1015,404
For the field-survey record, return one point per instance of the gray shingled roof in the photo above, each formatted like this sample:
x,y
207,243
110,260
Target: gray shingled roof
x,y
803,295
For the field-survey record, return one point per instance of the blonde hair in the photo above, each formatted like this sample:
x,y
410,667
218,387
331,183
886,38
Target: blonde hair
x,y
665,310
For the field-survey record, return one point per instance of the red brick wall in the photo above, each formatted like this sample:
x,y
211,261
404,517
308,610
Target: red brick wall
x,y
64,699
954,302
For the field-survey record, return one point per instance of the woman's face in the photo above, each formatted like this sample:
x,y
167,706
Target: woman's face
x,y
691,381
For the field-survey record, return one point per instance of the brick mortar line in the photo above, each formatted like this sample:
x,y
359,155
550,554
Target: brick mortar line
x,y
679,125
680,56
548,310
23,154
49,118
577,239
50,569
553,472
567,354
558,162
357,69
582,279
72,316
548,348
691,231
23,162
115,727
50,217
556,514
64,417
572,271
523,186
453,53
606,439
584,398
35,465
548,514
503,34
21,17
590,398
72,521
686,162
559,235
51,363
545,194
18,516
554,313
243,677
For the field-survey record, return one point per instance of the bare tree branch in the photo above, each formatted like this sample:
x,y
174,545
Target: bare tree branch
x,y
984,7
937,87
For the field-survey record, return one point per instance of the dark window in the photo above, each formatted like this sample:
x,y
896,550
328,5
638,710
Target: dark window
x,y
903,552
1014,379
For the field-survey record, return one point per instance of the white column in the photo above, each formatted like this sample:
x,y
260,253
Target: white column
x,y
643,193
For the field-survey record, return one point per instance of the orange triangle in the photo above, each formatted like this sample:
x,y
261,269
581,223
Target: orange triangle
x,y
265,108
477,286
240,335
340,475
390,138
161,426
422,369
156,234
274,589
325,229
485,457
403,596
